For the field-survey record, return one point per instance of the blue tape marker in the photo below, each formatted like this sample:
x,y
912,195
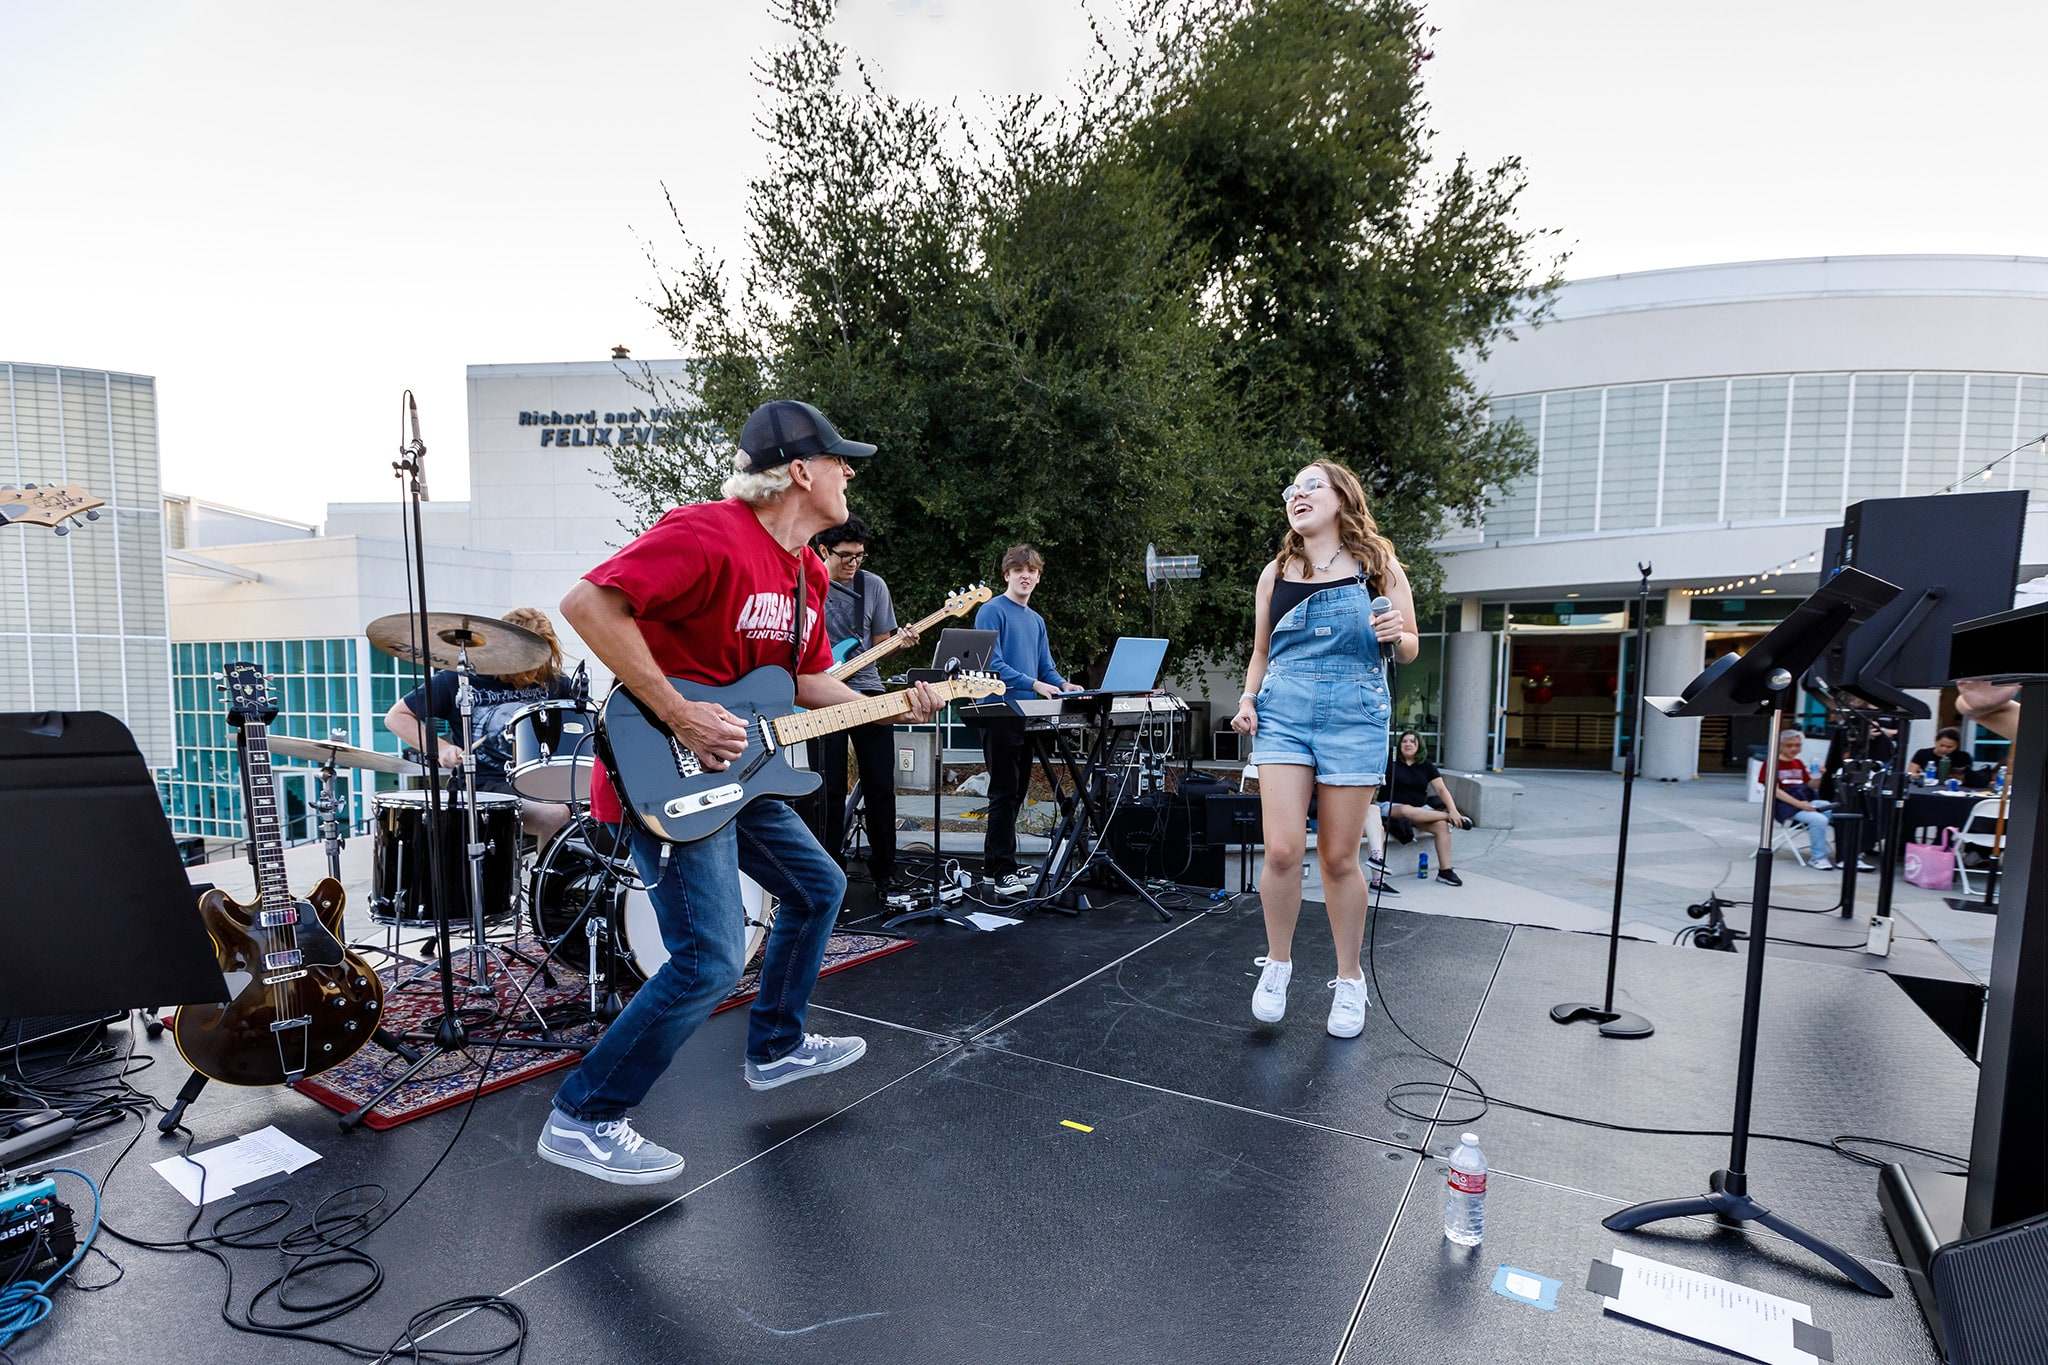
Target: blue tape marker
x,y
1525,1286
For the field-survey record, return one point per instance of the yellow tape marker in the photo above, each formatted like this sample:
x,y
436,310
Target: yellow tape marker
x,y
1077,1127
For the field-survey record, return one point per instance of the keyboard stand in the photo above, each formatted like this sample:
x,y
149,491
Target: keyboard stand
x,y
1084,813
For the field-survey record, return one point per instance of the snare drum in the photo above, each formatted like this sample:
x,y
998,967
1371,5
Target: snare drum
x,y
400,890
572,877
550,744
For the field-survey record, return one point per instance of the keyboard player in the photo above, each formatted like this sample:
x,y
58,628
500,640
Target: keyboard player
x,y
1022,658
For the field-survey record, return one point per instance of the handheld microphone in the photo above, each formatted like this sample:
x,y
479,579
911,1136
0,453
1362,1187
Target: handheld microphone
x,y
1380,604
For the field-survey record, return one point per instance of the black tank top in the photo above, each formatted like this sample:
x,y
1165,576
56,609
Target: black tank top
x,y
1289,594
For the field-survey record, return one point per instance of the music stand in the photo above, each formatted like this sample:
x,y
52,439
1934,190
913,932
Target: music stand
x,y
1760,682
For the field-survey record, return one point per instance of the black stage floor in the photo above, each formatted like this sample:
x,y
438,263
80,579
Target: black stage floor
x,y
1244,1194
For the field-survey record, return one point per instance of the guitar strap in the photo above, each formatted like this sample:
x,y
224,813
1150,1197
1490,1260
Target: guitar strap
x,y
796,654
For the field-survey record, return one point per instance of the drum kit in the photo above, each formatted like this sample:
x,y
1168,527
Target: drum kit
x,y
582,884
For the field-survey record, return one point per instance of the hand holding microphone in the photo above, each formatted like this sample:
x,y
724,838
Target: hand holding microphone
x,y
1387,621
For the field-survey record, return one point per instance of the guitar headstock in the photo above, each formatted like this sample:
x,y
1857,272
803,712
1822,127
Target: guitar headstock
x,y
48,506
969,686
248,694
963,600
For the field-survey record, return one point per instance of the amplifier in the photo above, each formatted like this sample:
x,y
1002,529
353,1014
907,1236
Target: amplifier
x,y
1163,838
1989,1292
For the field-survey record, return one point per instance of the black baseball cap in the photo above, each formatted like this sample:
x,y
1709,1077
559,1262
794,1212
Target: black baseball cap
x,y
782,429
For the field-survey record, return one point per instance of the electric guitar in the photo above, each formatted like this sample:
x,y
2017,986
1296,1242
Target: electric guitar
x,y
48,506
302,1003
678,800
959,604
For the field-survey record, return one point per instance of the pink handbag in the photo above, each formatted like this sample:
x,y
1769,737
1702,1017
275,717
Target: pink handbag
x,y
1932,865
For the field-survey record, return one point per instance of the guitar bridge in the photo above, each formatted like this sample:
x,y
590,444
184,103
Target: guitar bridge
x,y
686,762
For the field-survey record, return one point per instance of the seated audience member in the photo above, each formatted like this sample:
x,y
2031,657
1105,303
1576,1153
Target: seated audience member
x,y
1946,758
1417,794
1793,799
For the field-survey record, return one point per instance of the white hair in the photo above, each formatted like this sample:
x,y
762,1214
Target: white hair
x,y
754,487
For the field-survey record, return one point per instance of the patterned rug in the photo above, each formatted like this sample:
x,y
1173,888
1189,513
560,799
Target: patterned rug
x,y
451,1080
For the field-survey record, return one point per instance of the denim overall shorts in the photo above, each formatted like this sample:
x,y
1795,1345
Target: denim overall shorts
x,y
1324,701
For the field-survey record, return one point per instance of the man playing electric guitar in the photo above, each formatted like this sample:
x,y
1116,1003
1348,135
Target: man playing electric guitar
x,y
709,594
858,608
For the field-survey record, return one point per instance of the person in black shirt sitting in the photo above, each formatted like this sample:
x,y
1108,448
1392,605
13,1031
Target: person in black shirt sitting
x,y
1947,758
493,703
1417,793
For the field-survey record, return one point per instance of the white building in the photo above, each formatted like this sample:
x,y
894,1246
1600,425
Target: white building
x,y
1714,421
82,616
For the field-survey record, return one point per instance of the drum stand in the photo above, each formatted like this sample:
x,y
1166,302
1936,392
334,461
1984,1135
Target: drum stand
x,y
483,954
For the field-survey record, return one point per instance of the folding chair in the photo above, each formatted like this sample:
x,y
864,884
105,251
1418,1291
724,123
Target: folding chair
x,y
1789,835
1979,831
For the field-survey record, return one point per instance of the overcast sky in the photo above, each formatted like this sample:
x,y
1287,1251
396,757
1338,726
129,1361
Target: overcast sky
x,y
288,214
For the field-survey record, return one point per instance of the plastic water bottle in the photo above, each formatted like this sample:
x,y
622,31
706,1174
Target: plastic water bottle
x,y
1422,867
1998,780
1465,1193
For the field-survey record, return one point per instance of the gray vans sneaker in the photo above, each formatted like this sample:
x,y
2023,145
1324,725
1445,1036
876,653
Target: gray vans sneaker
x,y
814,1056
608,1149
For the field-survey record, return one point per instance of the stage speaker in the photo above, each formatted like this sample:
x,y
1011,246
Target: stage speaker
x,y
57,1030
1993,1295
1163,837
1955,558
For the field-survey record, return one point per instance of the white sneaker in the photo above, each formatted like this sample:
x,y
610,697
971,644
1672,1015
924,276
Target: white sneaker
x,y
1821,865
1269,1001
1347,1007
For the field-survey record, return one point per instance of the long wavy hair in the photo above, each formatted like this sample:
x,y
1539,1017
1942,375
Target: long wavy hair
x,y
536,620
1357,532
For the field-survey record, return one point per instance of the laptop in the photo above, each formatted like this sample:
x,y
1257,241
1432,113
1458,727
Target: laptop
x,y
1133,665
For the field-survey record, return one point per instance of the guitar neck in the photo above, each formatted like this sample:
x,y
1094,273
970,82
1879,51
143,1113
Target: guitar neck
x,y
265,834
830,720
876,653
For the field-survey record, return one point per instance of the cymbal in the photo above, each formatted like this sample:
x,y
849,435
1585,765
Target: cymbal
x,y
342,755
495,646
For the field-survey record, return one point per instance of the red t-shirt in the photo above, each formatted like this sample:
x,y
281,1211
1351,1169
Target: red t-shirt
x,y
715,598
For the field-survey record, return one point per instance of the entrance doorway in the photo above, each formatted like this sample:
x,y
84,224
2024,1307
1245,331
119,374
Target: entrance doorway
x,y
1560,703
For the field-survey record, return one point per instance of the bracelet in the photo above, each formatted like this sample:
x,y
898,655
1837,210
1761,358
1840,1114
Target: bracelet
x,y
1244,697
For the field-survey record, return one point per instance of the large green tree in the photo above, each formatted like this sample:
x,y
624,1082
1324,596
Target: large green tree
x,y
1116,318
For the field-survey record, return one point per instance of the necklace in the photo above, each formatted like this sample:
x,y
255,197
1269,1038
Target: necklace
x,y
1324,567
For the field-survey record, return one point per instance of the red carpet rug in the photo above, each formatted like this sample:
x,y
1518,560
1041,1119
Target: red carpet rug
x,y
452,1079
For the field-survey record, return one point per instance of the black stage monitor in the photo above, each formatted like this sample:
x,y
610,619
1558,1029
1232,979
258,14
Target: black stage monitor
x,y
1954,557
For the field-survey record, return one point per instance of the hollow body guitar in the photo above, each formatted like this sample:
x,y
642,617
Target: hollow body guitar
x,y
678,800
302,1002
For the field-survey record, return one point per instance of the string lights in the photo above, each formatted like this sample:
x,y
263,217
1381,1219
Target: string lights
x,y
1752,580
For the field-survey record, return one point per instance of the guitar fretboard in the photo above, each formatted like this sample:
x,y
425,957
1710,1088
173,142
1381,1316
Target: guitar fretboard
x,y
265,832
847,714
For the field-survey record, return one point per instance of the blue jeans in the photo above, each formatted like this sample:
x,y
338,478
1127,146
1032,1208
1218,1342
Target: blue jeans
x,y
1815,823
703,925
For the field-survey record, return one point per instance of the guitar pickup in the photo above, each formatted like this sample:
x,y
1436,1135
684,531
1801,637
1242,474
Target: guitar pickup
x,y
290,957
279,978
276,919
704,800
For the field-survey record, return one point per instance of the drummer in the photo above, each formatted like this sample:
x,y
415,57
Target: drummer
x,y
495,701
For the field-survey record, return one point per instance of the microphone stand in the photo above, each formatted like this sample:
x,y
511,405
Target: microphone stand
x,y
449,1035
1616,1023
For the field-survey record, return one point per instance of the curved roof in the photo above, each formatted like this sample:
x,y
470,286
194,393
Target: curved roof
x,y
1808,277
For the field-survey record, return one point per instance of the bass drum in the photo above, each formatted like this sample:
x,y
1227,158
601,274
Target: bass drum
x,y
578,874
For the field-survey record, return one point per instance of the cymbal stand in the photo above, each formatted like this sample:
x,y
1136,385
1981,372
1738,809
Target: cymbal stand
x,y
483,954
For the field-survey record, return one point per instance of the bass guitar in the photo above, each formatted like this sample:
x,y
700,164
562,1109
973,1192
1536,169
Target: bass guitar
x,y
678,800
960,603
302,1003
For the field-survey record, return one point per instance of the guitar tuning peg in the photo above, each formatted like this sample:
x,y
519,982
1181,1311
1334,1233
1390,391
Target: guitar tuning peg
x,y
62,530
93,515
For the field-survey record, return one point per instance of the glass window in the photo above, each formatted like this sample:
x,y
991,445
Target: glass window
x,y
1820,418
1935,446
1756,447
1629,460
1511,511
1692,452
1877,435
1571,461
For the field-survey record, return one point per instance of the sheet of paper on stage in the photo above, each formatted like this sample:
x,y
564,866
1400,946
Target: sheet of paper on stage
x,y
1718,1312
988,923
231,1165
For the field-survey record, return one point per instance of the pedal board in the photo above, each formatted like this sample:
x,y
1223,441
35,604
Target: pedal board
x,y
33,1218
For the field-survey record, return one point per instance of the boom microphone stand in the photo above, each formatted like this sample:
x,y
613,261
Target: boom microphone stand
x,y
449,1035
1616,1023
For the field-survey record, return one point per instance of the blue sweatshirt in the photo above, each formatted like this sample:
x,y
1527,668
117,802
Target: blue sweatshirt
x,y
1023,654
